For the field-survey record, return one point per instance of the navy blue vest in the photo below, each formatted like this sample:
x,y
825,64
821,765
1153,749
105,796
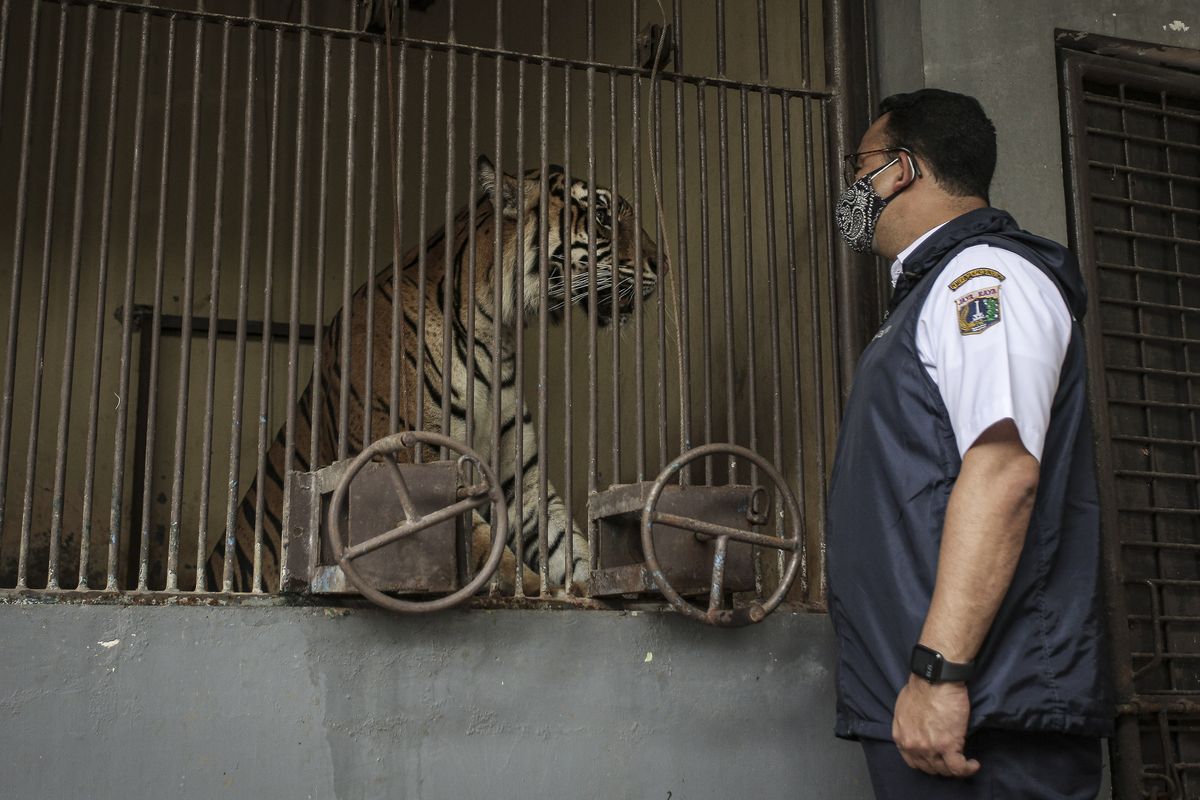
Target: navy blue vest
x,y
1043,663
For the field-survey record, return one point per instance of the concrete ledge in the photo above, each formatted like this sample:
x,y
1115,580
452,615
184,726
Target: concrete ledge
x,y
118,701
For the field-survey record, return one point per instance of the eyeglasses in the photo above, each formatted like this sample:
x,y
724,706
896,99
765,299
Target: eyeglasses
x,y
851,164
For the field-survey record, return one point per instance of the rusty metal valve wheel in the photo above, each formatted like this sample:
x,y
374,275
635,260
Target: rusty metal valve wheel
x,y
716,615
477,495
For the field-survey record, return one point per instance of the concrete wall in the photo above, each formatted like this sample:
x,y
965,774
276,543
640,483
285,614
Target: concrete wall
x,y
1003,53
117,702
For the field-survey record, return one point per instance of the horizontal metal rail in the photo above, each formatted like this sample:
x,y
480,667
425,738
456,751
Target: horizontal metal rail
x,y
517,56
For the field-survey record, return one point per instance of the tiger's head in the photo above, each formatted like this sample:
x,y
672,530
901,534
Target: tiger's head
x,y
567,211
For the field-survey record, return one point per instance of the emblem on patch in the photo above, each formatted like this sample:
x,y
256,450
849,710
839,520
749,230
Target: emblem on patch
x,y
978,311
979,272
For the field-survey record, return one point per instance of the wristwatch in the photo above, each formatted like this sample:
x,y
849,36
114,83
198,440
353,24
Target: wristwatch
x,y
931,665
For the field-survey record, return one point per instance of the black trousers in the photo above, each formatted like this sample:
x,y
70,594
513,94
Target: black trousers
x,y
1013,764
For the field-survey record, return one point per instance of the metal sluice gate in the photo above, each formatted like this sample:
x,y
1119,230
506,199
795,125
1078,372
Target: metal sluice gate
x,y
331,297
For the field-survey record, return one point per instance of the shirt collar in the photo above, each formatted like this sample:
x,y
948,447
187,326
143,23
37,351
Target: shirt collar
x,y
898,265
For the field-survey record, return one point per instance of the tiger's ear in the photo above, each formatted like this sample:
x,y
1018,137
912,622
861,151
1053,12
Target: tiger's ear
x,y
508,189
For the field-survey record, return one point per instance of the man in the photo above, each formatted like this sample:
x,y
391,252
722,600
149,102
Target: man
x,y
963,528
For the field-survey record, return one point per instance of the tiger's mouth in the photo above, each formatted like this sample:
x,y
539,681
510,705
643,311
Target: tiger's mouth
x,y
613,292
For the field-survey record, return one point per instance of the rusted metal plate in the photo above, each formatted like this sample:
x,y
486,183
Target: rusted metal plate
x,y
427,561
687,559
297,522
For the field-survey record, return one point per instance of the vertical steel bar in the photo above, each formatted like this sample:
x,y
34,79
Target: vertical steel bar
x,y
639,333
40,347
726,243
705,278
397,394
239,369
751,316
682,322
593,298
794,326
615,311
347,368
470,345
368,393
156,324
293,358
68,371
472,248
4,15
422,277
659,295
518,290
133,548
772,266
805,49
319,405
450,275
568,345
135,192
748,241
89,479
832,293
264,379
214,292
543,245
18,261
185,333
498,332
816,544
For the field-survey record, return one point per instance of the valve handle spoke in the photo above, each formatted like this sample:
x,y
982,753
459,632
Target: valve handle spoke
x,y
711,530
412,527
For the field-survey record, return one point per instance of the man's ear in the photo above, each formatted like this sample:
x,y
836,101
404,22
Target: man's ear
x,y
909,171
898,177
508,188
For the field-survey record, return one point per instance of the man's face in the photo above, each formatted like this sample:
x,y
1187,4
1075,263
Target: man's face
x,y
862,213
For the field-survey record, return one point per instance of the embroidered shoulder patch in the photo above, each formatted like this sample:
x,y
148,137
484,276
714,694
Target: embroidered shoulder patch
x,y
978,311
978,272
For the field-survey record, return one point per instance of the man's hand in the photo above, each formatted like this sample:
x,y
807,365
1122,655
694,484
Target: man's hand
x,y
930,727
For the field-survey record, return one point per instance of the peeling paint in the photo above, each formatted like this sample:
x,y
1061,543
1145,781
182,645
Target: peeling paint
x,y
1177,26
110,643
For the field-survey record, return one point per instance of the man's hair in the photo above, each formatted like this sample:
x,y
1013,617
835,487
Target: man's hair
x,y
950,132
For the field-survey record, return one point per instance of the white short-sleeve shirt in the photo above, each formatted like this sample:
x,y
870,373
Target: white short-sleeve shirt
x,y
992,335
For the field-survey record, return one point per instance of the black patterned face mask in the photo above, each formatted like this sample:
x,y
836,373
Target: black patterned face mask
x,y
858,210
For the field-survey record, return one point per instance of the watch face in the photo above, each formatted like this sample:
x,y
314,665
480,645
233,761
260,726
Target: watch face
x,y
926,663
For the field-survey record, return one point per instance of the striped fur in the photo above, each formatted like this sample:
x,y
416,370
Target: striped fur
x,y
493,334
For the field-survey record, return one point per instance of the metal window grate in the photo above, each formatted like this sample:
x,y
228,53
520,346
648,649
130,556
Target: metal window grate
x,y
232,179
1134,157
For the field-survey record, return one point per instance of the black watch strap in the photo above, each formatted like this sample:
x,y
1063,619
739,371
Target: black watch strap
x,y
931,665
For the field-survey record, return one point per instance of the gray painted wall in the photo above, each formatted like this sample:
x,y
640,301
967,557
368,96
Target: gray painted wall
x,y
1003,53
119,702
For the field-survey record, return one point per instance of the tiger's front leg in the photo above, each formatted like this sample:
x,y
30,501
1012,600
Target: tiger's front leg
x,y
558,528
481,546
523,516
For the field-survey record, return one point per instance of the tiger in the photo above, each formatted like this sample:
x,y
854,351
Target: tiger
x,y
616,250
